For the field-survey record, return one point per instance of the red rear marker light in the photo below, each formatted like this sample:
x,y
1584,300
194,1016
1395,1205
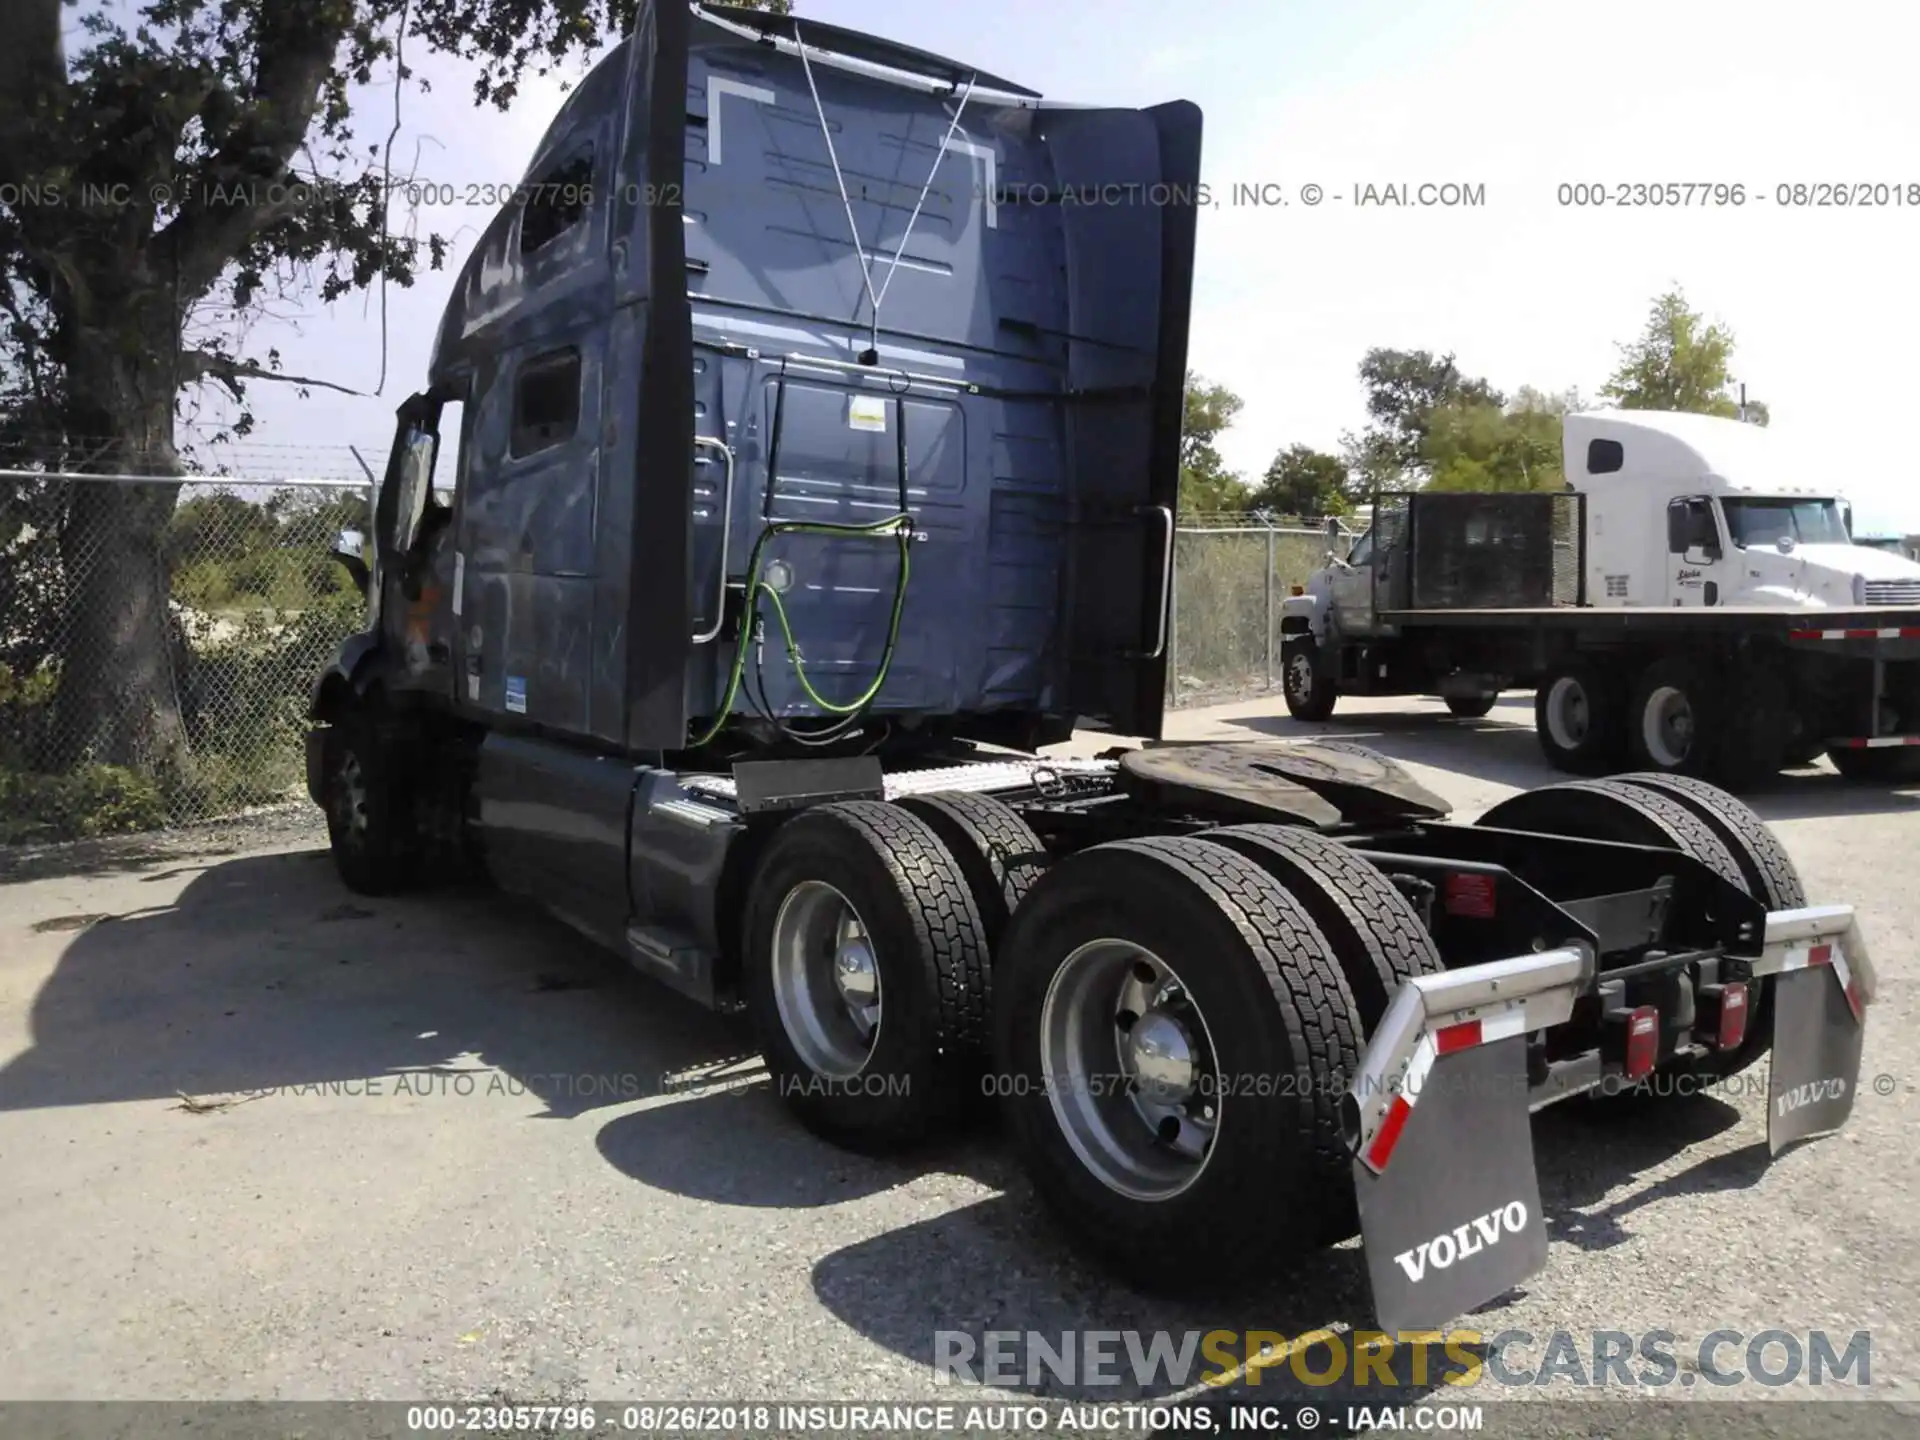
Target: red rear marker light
x,y
1463,1036
1470,894
1733,1016
1820,955
1643,1042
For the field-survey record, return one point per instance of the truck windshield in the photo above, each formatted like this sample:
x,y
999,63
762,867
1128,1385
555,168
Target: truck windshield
x,y
1806,522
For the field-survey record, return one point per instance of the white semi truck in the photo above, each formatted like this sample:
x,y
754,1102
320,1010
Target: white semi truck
x,y
1692,603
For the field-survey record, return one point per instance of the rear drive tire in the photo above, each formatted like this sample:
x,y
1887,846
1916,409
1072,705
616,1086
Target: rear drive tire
x,y
370,808
1579,713
1666,811
1614,810
1769,875
1471,707
854,903
1678,719
1879,765
998,854
1375,932
1310,692
1765,867
1165,1194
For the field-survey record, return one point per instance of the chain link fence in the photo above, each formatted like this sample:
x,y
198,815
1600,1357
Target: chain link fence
x,y
157,644
1230,577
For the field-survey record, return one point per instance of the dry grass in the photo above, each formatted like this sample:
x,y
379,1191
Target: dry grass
x,y
1223,622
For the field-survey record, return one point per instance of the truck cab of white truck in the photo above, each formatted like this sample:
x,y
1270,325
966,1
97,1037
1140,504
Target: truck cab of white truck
x,y
1691,600
1699,510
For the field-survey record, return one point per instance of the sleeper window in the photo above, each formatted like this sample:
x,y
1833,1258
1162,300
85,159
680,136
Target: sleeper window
x,y
546,403
556,202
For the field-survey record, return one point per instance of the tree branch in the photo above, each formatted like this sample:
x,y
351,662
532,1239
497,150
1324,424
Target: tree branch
x,y
33,73
203,364
297,44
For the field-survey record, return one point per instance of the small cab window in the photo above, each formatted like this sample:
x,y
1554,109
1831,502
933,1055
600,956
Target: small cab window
x,y
1362,552
546,403
1604,457
555,201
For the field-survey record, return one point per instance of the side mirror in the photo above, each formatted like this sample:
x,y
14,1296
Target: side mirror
x,y
350,550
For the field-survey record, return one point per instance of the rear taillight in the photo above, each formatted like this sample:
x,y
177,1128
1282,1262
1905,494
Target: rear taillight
x,y
1733,1017
1643,1042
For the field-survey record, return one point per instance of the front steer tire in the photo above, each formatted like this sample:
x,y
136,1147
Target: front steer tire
x,y
370,806
1279,1019
928,948
1310,692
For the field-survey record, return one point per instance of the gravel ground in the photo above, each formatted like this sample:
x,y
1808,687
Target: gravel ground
x,y
263,1139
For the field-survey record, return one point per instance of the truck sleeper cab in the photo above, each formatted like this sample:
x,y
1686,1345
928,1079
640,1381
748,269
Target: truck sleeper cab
x,y
740,638
1691,605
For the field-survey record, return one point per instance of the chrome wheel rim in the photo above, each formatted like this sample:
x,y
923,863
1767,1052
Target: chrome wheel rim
x,y
1130,1070
1300,678
1569,713
1666,726
826,981
350,797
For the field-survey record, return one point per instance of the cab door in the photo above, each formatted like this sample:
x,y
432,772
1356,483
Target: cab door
x,y
1352,586
1696,552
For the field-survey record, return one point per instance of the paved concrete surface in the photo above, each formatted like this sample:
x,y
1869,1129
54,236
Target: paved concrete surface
x,y
449,1150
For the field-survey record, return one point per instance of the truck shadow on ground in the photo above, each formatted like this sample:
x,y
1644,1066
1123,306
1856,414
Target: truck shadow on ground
x,y
266,974
1001,1263
1503,748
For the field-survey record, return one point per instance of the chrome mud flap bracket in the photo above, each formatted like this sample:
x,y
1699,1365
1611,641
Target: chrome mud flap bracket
x,y
1823,983
1438,1120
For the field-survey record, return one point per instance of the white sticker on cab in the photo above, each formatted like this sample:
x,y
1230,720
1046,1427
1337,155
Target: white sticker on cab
x,y
867,412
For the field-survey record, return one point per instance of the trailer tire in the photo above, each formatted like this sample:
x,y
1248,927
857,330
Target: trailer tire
x,y
925,952
1770,876
1579,713
1878,764
1274,1018
369,807
1375,931
998,854
1310,692
1471,707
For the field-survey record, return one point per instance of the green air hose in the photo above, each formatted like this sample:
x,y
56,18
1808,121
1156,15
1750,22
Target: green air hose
x,y
900,526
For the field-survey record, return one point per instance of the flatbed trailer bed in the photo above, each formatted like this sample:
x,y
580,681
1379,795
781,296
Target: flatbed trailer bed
x,y
1867,622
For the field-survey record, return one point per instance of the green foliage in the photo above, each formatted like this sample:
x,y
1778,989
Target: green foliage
x,y
1404,388
1303,481
91,801
1678,362
1473,445
1206,485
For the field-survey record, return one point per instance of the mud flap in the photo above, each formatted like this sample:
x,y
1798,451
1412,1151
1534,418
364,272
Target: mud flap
x,y
1819,1030
1439,1122
1454,1220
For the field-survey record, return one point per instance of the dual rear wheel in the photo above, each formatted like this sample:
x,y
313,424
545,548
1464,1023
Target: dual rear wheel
x,y
1168,1024
1678,715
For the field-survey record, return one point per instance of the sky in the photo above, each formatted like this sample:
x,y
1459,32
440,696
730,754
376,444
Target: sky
x,y
1517,96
